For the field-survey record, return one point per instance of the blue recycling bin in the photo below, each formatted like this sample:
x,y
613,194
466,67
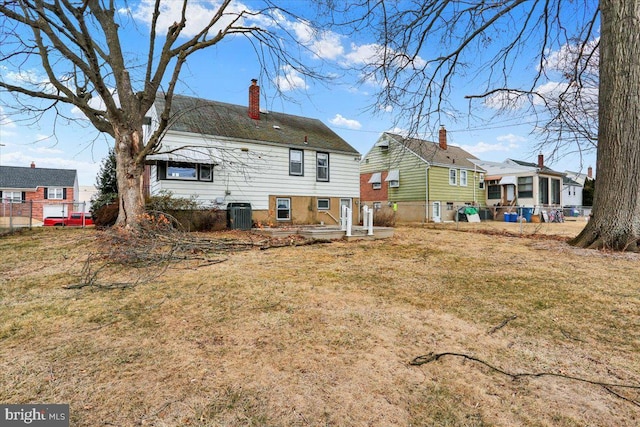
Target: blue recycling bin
x,y
526,213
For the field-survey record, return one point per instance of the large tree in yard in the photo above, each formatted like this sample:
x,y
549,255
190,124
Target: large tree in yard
x,y
616,201
498,51
80,47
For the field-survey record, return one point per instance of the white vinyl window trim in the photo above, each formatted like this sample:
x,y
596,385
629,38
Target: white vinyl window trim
x,y
283,209
296,163
453,176
322,167
55,193
393,178
324,204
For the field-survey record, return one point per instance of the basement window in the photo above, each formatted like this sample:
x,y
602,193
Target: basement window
x,y
324,204
283,209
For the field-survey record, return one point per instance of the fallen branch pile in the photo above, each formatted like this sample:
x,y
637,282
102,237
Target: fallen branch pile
x,y
128,258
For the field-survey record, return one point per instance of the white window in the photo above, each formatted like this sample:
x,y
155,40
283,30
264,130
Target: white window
x,y
295,162
12,196
324,204
376,181
55,193
463,178
206,173
283,209
453,177
322,167
185,171
181,170
393,178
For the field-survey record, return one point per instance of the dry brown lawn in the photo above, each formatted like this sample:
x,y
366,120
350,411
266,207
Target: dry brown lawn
x,y
323,335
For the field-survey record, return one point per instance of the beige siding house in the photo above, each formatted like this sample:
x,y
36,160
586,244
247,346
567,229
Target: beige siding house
x,y
515,184
419,180
289,169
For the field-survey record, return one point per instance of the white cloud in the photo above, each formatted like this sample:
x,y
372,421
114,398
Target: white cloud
x,y
386,108
338,120
506,100
564,59
22,77
45,150
290,80
6,125
483,147
511,139
97,103
323,44
198,15
86,171
364,54
505,143
399,131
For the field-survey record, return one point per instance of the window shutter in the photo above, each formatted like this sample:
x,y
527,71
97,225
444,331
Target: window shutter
x,y
24,196
0,194
64,194
46,193
161,169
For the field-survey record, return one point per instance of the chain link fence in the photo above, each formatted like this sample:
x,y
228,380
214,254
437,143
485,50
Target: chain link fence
x,y
17,214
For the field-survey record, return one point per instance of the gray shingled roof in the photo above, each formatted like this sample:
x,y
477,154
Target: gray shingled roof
x,y
535,165
214,118
568,181
20,177
432,153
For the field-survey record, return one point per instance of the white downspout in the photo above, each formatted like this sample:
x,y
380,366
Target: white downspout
x,y
426,203
474,184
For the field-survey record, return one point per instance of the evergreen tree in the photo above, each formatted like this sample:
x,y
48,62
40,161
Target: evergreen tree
x,y
587,192
106,183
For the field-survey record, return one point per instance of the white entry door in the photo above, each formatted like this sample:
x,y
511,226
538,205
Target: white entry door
x,y
511,192
344,202
436,215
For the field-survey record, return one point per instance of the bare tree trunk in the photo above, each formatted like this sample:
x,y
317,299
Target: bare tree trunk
x,y
616,214
129,170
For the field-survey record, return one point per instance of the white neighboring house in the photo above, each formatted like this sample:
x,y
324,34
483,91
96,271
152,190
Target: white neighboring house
x,y
290,169
515,183
85,193
571,192
573,186
579,177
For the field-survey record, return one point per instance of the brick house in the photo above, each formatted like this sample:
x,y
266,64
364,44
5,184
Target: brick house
x,y
48,192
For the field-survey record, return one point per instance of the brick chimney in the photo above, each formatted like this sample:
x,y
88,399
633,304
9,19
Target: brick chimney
x,y
33,165
540,161
442,138
254,100
590,172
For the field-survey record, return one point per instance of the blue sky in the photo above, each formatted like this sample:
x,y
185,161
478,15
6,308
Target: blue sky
x,y
224,73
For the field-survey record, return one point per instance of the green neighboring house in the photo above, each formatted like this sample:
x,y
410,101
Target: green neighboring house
x,y
418,180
